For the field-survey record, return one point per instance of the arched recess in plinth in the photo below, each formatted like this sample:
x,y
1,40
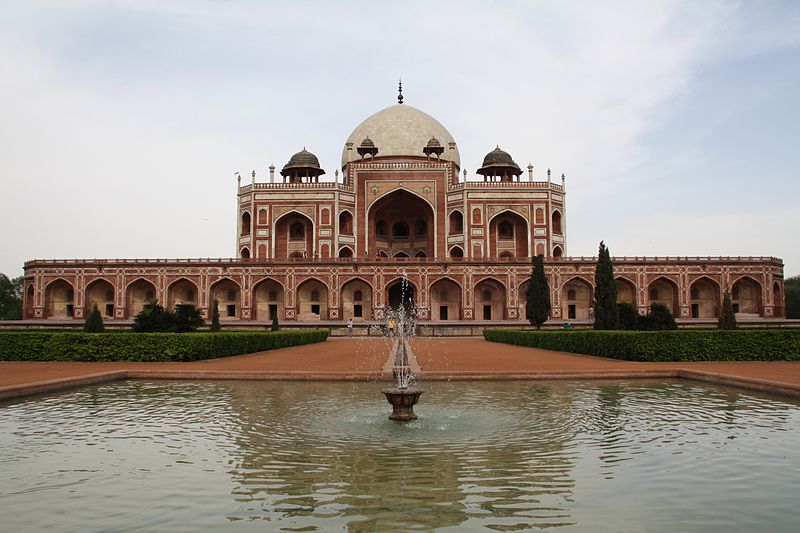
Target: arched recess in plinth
x,y
293,235
704,298
312,300
182,291
508,235
746,298
456,252
489,299
401,292
30,294
137,294
268,300
664,291
626,291
99,292
228,295
356,299
401,221
778,301
445,298
577,297
59,299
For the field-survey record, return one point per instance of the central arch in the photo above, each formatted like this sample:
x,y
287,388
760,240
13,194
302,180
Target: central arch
x,y
508,235
401,293
401,221
294,235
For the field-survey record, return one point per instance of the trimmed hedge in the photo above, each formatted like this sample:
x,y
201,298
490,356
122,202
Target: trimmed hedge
x,y
682,345
105,347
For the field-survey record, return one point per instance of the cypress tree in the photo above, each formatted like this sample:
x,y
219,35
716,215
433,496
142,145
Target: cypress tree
x,y
606,315
94,322
727,318
274,326
537,295
215,317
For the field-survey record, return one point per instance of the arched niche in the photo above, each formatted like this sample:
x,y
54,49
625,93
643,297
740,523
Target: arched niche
x,y
508,235
664,291
59,299
556,223
704,299
268,300
626,291
182,292
577,297
99,292
490,300
228,295
746,298
294,234
138,293
456,222
445,298
312,300
401,222
345,223
356,298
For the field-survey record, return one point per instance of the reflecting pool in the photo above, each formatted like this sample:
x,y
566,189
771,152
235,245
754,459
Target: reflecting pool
x,y
623,455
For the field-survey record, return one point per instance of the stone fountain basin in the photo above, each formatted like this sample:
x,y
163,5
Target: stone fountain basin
x,y
402,401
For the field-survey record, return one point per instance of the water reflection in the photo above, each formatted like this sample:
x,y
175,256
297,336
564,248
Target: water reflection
x,y
506,456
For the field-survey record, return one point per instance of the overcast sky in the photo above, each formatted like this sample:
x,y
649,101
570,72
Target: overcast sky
x,y
122,123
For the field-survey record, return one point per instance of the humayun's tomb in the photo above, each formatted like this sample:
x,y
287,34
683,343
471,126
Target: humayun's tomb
x,y
402,208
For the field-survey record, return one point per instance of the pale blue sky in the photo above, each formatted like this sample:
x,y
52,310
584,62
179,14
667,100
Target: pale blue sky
x,y
122,123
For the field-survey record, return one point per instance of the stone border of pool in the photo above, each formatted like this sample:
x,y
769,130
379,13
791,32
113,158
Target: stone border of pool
x,y
446,359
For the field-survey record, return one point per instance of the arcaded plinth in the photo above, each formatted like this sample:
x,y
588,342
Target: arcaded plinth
x,y
402,401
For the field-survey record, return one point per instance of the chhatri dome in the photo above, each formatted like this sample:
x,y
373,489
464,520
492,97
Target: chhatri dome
x,y
401,130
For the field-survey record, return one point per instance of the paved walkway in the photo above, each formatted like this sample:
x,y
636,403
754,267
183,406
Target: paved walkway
x,y
365,359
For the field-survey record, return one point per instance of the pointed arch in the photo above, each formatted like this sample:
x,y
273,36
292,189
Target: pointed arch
x,y
228,294
356,298
59,299
664,290
489,299
268,297
445,299
287,240
556,222
345,252
182,291
312,299
345,222
626,290
245,253
509,234
577,297
456,222
100,292
138,293
30,296
456,252
746,297
401,292
246,223
704,298
558,251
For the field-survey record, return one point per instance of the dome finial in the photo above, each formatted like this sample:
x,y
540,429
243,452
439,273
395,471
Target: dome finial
x,y
400,91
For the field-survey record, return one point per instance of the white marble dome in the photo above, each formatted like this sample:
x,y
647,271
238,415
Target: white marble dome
x,y
401,130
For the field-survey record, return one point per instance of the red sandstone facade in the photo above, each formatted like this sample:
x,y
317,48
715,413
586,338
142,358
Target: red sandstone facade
x,y
311,250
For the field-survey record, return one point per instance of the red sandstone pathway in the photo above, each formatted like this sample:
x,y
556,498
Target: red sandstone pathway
x,y
363,359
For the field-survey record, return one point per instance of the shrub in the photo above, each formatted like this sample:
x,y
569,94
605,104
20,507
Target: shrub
x,y
94,322
187,318
215,326
79,346
658,319
727,318
628,316
766,344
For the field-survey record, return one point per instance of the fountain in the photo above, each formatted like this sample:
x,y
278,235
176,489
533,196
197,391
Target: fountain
x,y
403,396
